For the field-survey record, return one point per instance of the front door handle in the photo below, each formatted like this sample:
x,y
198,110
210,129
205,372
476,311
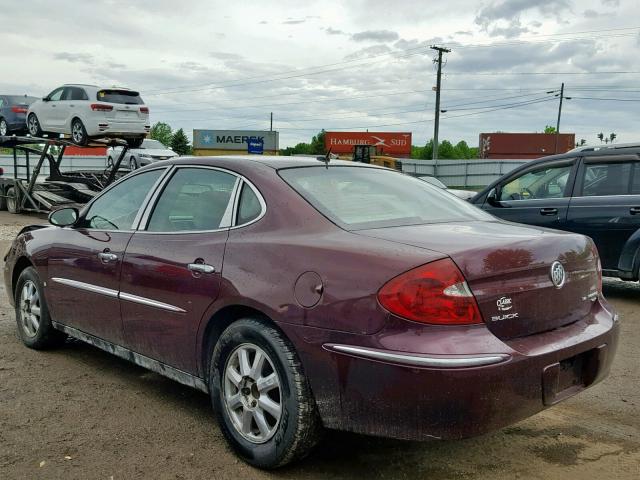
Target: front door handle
x,y
107,257
634,210
201,268
548,211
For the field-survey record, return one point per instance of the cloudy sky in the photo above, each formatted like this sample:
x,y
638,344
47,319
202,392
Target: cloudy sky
x,y
350,64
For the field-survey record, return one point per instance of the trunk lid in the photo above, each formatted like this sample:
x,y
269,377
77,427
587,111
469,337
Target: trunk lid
x,y
508,268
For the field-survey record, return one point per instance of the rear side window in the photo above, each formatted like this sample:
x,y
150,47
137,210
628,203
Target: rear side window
x,y
603,179
635,184
249,207
78,94
363,197
125,97
195,199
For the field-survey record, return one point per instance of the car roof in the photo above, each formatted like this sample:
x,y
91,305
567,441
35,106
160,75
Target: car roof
x,y
273,161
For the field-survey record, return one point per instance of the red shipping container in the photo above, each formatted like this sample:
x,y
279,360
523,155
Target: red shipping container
x,y
524,145
387,143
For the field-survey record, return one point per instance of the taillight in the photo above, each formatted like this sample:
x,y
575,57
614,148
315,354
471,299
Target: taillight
x,y
17,109
101,107
435,293
144,110
594,250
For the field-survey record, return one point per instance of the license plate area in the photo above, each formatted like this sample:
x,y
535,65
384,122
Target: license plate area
x,y
568,376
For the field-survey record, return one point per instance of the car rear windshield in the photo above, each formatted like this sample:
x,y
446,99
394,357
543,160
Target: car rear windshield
x,y
120,96
20,100
356,198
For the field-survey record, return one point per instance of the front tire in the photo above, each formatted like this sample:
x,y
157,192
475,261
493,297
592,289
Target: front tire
x,y
33,126
260,395
79,133
133,164
32,314
4,128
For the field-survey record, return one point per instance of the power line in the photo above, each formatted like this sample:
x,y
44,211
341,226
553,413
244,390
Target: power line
x,y
526,102
608,72
607,99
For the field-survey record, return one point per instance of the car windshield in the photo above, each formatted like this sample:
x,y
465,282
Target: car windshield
x,y
357,198
432,181
127,97
149,143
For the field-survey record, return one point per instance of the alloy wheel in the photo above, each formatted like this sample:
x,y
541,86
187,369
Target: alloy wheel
x,y
33,125
77,132
30,309
252,393
3,127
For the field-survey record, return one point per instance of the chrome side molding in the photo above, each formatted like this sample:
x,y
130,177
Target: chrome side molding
x,y
86,286
149,302
417,360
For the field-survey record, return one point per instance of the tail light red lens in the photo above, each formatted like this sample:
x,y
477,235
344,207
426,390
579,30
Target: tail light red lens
x,y
144,110
596,255
101,107
17,109
435,293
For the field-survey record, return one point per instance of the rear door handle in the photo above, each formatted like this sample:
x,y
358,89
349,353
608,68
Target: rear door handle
x,y
548,211
107,257
201,268
634,210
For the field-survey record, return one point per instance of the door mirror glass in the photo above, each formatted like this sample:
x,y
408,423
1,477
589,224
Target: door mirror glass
x,y
64,217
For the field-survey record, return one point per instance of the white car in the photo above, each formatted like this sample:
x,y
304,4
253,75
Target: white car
x,y
89,111
150,151
463,194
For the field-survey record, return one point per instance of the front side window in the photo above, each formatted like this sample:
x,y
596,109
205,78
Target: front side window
x,y
56,95
195,199
545,182
602,179
357,198
117,208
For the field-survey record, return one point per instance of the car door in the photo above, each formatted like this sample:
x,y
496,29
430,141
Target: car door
x,y
84,264
536,196
606,204
73,99
50,113
172,266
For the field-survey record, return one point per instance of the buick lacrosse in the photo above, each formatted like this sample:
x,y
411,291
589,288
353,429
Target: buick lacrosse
x,y
302,294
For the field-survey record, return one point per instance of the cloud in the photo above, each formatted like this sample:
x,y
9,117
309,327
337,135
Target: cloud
x,y
375,36
464,32
263,22
292,21
371,51
611,3
333,31
75,57
513,29
502,17
225,56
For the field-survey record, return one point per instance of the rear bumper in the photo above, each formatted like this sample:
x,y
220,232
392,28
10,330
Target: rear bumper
x,y
107,127
457,396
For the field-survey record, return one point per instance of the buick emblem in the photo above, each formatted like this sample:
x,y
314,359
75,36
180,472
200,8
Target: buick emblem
x,y
557,274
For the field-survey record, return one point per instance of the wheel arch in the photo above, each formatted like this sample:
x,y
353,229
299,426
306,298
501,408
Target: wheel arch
x,y
22,263
217,324
629,260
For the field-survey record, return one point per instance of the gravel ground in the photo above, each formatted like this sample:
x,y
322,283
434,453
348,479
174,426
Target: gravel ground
x,y
79,413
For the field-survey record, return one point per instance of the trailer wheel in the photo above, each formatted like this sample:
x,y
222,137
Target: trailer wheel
x,y
13,205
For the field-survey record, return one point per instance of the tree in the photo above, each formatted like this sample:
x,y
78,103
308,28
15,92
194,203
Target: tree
x,y
162,132
180,143
601,136
612,137
549,129
317,144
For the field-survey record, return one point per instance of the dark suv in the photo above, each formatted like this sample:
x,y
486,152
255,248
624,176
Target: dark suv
x,y
591,190
13,113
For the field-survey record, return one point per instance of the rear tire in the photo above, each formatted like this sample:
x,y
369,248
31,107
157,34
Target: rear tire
x,y
4,128
133,164
79,133
267,413
33,126
32,313
13,202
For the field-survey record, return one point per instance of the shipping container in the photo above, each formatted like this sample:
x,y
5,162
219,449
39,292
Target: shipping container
x,y
387,143
500,145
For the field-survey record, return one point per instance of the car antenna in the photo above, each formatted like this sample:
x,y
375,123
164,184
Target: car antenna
x,y
326,159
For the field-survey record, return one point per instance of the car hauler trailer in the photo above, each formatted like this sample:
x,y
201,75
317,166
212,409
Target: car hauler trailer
x,y
26,192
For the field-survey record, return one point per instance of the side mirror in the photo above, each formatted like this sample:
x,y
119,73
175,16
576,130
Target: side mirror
x,y
64,217
45,99
492,198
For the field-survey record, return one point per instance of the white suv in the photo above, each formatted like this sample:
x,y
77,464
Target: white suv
x,y
88,111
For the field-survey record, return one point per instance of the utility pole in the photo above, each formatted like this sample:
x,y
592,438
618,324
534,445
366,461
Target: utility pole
x,y
559,113
436,125
271,124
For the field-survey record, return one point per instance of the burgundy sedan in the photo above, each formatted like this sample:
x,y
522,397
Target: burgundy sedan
x,y
303,295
